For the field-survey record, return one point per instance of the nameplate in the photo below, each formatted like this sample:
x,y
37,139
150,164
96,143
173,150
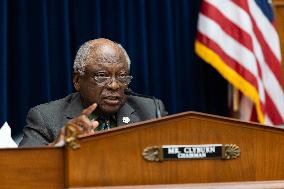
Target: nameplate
x,y
204,151
192,151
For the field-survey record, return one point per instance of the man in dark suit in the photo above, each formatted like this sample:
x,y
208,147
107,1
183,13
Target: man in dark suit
x,y
101,77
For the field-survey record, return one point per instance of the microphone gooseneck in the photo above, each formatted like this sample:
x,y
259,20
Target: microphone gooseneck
x,y
132,93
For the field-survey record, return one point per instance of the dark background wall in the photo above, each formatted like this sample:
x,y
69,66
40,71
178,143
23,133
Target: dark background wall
x,y
39,40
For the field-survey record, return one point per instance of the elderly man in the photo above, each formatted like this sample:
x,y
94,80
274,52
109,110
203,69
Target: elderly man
x,y
101,77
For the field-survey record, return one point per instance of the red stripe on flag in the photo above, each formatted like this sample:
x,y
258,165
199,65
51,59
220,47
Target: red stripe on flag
x,y
246,74
269,57
229,27
268,107
272,111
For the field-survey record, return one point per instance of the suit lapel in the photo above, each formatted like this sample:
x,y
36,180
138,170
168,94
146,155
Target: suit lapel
x,y
126,115
74,107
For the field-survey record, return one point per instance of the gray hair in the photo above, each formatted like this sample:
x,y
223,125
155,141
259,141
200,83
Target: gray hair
x,y
84,52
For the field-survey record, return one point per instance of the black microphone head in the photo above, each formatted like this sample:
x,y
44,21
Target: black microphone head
x,y
128,91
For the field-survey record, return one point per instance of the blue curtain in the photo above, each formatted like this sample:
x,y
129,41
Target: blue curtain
x,y
39,40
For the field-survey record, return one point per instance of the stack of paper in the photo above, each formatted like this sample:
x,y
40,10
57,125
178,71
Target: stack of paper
x,y
6,140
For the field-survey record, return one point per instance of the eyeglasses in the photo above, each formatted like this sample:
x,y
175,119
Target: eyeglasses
x,y
104,80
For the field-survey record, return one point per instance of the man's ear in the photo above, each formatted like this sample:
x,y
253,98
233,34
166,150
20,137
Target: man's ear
x,y
76,81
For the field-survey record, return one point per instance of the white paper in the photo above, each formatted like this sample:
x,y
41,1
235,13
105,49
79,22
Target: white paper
x,y
6,140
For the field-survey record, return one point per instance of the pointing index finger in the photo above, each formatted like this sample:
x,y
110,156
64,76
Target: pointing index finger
x,y
87,111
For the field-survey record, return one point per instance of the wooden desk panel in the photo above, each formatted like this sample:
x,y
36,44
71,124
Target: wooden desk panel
x,y
32,168
114,157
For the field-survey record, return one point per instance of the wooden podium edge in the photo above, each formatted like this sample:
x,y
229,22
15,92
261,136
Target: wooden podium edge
x,y
221,185
189,114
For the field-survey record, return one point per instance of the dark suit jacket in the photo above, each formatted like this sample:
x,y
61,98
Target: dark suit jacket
x,y
45,121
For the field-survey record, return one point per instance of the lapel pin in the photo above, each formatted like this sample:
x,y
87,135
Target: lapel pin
x,y
125,120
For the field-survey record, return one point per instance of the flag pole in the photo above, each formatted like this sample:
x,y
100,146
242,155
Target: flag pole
x,y
234,101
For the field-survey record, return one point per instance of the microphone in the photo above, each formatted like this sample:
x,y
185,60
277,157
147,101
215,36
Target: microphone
x,y
130,92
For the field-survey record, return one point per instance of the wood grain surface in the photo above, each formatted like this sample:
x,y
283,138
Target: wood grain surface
x,y
114,157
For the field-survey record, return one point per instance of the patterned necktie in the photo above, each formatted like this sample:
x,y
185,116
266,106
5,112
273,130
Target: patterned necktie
x,y
104,123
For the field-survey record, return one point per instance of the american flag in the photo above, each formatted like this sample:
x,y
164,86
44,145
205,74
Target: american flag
x,y
238,38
